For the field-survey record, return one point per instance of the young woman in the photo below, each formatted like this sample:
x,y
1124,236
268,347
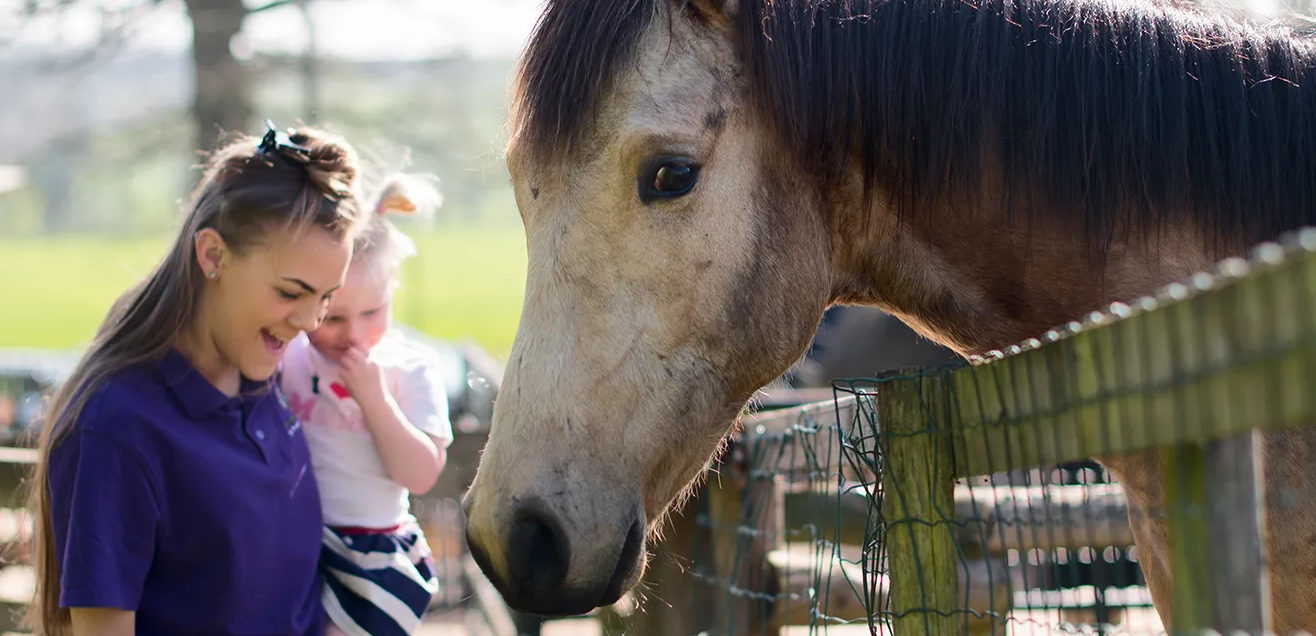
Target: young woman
x,y
173,494
375,411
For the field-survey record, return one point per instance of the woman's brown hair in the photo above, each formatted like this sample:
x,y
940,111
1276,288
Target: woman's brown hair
x,y
250,190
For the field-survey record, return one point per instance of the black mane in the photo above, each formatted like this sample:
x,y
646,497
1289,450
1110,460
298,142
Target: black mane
x,y
1111,114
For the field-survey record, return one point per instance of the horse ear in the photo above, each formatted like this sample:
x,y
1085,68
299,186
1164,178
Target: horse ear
x,y
716,11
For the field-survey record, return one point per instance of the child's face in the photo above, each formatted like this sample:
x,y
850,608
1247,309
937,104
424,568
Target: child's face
x,y
359,314
266,296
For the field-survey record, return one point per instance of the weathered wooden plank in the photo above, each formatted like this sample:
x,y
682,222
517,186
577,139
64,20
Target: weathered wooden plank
x,y
670,601
16,465
1184,367
19,456
992,519
16,589
489,602
1043,517
1240,582
745,524
775,398
841,594
813,442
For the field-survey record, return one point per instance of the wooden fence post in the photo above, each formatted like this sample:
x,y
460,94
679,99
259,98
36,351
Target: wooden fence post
x,y
1237,518
918,502
1214,492
746,514
669,598
714,578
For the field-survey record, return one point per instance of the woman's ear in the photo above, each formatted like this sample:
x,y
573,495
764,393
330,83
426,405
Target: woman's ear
x,y
210,252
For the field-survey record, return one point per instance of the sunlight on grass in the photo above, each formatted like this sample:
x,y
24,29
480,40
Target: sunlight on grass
x,y
465,283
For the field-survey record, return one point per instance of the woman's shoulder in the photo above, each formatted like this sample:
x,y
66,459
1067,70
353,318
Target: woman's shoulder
x,y
121,409
127,394
156,394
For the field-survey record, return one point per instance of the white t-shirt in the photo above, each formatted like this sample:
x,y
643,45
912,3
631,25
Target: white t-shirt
x,y
355,489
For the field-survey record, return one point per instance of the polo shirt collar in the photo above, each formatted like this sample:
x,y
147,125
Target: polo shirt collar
x,y
197,395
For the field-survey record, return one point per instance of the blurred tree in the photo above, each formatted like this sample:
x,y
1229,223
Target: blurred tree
x,y
221,83
222,96
222,99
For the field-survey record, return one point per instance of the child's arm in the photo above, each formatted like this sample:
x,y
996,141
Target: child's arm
x,y
410,456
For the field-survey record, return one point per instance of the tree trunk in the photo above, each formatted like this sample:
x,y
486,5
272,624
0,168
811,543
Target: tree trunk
x,y
221,102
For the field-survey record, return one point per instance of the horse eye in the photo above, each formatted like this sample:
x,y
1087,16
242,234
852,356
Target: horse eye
x,y
668,179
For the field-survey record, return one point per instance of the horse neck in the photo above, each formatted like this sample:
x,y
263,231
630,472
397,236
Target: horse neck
x,y
977,282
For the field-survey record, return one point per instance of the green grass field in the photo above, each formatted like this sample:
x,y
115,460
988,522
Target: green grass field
x,y
465,283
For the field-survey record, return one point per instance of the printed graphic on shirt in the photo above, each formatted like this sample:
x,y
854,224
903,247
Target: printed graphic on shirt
x,y
336,414
297,410
301,408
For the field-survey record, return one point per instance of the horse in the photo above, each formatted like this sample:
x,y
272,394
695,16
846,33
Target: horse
x,y
699,180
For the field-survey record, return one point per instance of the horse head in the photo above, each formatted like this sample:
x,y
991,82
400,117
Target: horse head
x,y
675,267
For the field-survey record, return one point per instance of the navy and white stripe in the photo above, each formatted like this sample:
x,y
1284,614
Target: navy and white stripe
x,y
377,584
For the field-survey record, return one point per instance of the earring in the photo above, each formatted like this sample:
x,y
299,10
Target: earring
x,y
212,275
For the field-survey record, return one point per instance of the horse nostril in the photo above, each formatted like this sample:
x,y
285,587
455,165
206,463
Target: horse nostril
x,y
539,554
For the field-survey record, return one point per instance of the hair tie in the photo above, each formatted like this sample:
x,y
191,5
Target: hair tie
x,y
280,143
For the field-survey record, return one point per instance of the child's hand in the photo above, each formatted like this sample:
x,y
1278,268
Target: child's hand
x,y
363,377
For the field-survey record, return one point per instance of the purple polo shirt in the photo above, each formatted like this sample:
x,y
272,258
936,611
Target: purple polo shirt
x,y
197,510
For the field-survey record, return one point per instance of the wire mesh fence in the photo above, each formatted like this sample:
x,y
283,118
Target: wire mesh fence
x,y
1143,470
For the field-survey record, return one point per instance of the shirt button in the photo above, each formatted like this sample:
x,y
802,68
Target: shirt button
x,y
260,434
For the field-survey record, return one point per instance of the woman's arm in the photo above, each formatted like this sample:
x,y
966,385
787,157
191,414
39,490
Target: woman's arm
x,y
103,621
411,457
104,518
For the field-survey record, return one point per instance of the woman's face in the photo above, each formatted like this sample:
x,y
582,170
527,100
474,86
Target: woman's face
x,y
359,316
263,298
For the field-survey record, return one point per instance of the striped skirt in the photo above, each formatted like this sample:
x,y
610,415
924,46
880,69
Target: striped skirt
x,y
377,583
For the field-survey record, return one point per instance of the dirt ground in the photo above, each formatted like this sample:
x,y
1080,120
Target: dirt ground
x,y
456,623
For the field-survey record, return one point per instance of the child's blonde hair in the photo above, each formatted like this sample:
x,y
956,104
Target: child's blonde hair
x,y
381,247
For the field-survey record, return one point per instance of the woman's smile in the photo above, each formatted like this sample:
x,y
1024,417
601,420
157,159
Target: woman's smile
x,y
273,344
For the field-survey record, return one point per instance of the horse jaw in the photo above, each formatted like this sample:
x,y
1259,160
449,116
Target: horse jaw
x,y
646,326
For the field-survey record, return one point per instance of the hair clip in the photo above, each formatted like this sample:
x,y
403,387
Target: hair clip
x,y
276,141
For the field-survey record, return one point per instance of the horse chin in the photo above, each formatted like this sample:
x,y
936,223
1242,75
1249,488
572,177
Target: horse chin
x,y
630,567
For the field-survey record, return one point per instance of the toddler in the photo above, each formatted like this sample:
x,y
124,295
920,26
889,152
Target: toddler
x,y
375,412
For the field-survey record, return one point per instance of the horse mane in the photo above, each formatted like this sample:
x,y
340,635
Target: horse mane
x,y
1114,115
568,66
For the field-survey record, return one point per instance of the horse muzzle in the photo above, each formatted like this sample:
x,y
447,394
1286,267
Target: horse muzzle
x,y
539,560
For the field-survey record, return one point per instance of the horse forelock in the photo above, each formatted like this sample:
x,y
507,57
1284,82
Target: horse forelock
x,y
569,65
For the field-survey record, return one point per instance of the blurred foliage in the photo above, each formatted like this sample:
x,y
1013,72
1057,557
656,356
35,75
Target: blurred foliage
x,y
99,208
449,114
